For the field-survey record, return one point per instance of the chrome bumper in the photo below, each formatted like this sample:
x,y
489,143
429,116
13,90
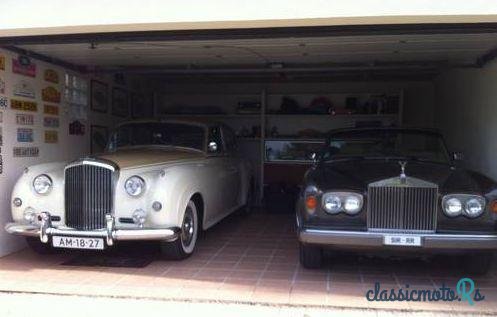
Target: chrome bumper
x,y
45,230
376,240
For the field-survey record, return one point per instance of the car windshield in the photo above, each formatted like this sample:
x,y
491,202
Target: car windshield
x,y
158,133
375,144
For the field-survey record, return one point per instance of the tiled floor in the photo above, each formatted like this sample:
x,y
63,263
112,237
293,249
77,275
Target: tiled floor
x,y
247,260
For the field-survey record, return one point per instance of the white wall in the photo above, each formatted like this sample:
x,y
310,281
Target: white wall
x,y
69,147
37,17
466,111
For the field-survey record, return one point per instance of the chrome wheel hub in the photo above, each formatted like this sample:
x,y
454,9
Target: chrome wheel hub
x,y
188,228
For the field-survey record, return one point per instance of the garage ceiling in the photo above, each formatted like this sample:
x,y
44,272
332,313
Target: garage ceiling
x,y
370,55
451,48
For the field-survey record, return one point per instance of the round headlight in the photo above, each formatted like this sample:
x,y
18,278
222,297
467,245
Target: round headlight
x,y
473,208
42,184
332,204
453,207
352,204
135,186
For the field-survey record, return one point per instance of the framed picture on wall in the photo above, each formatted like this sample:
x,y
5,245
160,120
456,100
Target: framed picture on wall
x,y
99,136
120,105
99,100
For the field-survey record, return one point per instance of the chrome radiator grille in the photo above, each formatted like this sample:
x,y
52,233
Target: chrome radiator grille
x,y
88,195
402,208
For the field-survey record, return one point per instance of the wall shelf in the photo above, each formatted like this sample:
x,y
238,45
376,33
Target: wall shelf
x,y
286,125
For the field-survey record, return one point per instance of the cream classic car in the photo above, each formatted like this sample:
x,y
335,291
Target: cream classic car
x,y
157,180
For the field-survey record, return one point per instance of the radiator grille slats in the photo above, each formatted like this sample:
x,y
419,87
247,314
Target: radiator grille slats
x,y
402,208
88,196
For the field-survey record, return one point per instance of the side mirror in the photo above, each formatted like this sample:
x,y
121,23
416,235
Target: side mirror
x,y
212,147
313,156
457,156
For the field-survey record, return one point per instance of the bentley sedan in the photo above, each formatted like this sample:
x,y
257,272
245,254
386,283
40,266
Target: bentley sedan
x,y
157,180
395,190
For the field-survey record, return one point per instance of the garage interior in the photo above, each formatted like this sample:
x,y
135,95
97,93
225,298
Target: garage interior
x,y
275,88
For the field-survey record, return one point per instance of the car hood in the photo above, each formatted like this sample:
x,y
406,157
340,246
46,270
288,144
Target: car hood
x,y
357,174
138,157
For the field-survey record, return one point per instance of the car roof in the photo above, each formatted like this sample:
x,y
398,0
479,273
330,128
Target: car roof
x,y
205,122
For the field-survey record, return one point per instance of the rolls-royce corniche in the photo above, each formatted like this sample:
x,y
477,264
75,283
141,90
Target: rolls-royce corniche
x,y
157,180
394,190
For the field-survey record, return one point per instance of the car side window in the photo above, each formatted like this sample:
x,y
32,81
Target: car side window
x,y
229,139
215,141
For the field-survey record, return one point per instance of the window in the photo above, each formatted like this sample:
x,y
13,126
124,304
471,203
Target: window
x,y
76,96
165,134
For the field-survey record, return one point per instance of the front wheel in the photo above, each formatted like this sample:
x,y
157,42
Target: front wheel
x,y
311,257
184,246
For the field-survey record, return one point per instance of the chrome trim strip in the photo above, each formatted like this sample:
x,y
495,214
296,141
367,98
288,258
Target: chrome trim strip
x,y
375,239
423,235
45,230
100,163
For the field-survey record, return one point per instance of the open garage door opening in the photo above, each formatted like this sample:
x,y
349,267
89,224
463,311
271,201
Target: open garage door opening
x,y
366,138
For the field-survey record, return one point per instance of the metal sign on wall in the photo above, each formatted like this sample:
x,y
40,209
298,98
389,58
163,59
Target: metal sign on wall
x,y
25,135
4,102
26,151
51,122
2,86
24,89
25,119
51,75
23,66
51,109
23,105
51,136
50,94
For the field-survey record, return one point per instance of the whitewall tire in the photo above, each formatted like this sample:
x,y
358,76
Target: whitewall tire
x,y
184,246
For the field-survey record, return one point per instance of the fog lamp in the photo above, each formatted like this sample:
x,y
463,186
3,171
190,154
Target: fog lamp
x,y
29,215
139,217
17,202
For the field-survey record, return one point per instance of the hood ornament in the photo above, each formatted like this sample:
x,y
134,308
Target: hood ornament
x,y
403,177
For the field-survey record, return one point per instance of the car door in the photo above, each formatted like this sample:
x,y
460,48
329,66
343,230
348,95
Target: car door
x,y
218,166
232,165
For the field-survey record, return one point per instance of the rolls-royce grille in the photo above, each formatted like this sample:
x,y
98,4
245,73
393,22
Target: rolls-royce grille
x,y
402,208
88,196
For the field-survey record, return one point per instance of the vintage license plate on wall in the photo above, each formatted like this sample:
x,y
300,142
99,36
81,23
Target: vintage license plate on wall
x,y
78,243
402,240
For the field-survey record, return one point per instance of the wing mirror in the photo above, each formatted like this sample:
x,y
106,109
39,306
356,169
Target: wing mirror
x,y
313,156
457,156
212,146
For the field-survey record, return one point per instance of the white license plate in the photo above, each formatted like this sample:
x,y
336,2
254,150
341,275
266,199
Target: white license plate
x,y
402,240
78,243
